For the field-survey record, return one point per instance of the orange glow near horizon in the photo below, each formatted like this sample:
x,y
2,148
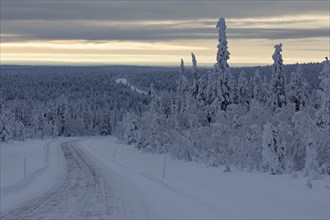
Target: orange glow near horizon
x,y
162,53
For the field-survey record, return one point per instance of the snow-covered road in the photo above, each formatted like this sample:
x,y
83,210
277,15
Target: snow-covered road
x,y
86,193
101,178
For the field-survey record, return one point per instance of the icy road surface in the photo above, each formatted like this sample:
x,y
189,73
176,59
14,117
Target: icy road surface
x,y
87,192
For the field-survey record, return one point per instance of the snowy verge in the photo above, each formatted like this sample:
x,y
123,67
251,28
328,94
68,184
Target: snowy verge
x,y
133,88
45,166
36,164
191,190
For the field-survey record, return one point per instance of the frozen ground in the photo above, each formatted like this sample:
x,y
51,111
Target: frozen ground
x,y
100,178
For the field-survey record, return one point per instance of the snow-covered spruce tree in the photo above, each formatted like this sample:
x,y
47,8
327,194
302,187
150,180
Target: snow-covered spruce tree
x,y
266,90
193,105
323,114
152,134
323,118
182,67
67,124
297,88
37,123
232,84
278,95
194,72
17,131
130,128
311,165
211,89
182,89
216,144
55,132
259,88
63,116
270,160
251,133
166,103
154,107
191,89
243,89
5,134
221,67
202,83
105,125
302,126
182,146
223,53
217,91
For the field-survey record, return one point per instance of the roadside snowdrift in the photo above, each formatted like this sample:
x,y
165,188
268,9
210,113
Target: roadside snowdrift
x,y
44,168
191,190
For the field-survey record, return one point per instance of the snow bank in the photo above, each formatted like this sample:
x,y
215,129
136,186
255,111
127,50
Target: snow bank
x,y
191,190
36,154
125,82
12,160
44,160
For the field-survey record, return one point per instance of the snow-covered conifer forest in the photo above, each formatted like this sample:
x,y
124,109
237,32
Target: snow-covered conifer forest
x,y
274,119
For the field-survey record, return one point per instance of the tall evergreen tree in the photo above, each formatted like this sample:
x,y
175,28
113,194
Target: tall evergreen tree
x,y
182,89
257,92
297,88
323,114
182,67
243,89
311,164
278,95
194,71
222,67
223,53
270,153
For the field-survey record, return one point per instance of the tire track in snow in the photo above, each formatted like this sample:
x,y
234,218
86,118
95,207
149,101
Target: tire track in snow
x,y
214,210
86,193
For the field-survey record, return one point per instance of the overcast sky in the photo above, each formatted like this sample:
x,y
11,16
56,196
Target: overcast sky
x,y
161,32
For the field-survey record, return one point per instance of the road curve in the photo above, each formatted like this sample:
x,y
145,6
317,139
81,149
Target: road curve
x,y
85,193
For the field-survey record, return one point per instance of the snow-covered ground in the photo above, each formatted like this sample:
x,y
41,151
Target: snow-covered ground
x,y
189,189
125,82
44,167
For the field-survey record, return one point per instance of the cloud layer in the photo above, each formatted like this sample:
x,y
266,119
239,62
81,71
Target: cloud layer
x,y
154,10
157,23
262,28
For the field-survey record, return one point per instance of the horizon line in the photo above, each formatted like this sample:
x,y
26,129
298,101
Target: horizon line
x,y
204,65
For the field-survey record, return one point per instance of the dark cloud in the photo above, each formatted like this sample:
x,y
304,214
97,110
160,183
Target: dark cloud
x,y
87,20
61,30
153,10
278,33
